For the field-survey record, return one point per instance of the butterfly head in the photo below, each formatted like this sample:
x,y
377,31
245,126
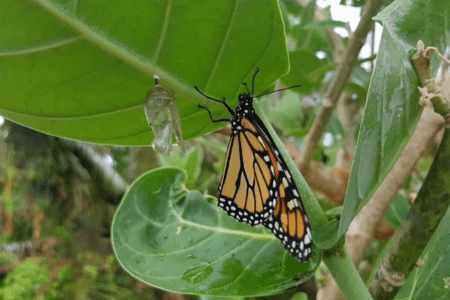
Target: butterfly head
x,y
245,107
245,99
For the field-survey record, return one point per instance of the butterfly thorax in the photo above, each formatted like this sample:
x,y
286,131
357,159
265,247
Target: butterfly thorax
x,y
244,110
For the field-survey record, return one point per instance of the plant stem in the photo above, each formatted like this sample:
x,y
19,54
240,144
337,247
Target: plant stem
x,y
421,61
345,273
340,78
425,214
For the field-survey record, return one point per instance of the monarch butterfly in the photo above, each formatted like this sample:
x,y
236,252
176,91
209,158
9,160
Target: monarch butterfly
x,y
256,185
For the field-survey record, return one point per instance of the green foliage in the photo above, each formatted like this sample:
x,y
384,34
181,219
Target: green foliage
x,y
90,275
28,278
175,240
93,66
190,161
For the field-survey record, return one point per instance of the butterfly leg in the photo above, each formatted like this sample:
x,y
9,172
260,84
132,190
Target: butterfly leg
x,y
217,100
210,116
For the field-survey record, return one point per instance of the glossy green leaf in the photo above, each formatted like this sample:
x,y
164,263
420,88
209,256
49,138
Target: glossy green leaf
x,y
392,109
175,240
81,70
431,280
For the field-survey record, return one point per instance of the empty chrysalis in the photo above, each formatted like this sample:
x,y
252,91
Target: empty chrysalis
x,y
162,116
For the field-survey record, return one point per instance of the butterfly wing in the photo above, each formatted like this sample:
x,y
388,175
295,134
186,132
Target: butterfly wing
x,y
248,183
288,222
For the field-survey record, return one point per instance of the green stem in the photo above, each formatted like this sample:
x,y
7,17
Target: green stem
x,y
345,273
421,62
423,218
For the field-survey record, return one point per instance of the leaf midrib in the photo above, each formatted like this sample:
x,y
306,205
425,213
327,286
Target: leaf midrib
x,y
115,49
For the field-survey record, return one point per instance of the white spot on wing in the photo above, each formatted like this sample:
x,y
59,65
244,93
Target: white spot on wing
x,y
262,142
291,204
307,239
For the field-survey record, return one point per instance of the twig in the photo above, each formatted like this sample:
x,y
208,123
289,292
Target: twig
x,y
430,91
339,80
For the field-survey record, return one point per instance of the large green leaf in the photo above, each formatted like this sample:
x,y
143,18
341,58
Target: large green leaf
x,y
175,240
432,279
81,70
392,109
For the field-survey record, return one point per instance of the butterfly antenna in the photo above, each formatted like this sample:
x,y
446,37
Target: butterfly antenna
x,y
253,81
291,87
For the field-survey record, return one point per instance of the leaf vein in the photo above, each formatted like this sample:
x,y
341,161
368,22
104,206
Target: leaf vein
x,y
222,46
40,48
164,31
